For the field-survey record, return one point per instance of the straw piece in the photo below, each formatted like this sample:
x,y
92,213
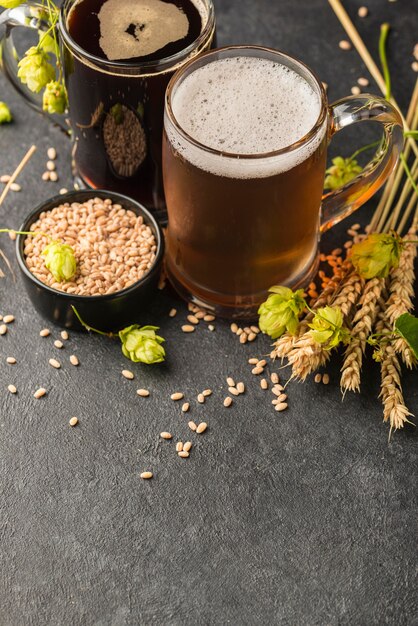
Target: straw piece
x,y
357,41
17,171
407,188
407,213
394,181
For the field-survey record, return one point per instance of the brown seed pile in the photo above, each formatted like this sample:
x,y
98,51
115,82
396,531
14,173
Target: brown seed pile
x,y
335,262
113,247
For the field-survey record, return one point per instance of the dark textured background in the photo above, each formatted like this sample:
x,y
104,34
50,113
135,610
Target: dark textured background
x,y
300,518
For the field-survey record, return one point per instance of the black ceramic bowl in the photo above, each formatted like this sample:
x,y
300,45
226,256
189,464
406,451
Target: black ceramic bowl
x,y
109,312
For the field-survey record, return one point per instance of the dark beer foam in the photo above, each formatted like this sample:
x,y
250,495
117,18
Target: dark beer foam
x,y
137,28
245,105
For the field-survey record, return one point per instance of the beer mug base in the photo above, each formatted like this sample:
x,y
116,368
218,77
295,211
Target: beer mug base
x,y
235,307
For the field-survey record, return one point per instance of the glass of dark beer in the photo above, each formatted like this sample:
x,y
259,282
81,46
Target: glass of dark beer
x,y
118,58
244,159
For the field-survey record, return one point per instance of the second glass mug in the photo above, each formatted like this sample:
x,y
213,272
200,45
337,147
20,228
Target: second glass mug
x,y
234,232
116,109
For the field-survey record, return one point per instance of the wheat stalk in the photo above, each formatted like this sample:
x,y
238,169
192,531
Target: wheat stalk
x,y
401,292
364,319
394,409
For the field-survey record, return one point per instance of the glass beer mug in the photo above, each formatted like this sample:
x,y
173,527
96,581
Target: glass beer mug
x,y
244,158
116,106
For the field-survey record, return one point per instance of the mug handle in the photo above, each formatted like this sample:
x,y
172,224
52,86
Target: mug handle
x,y
30,15
342,202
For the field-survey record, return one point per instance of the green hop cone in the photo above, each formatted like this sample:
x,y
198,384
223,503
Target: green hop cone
x,y
54,98
10,4
60,261
280,312
35,70
5,114
377,255
341,172
142,345
327,327
117,112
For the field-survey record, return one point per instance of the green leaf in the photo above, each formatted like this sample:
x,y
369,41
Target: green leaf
x,y
407,327
48,43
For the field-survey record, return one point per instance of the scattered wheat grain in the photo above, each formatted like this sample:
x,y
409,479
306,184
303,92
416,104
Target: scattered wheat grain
x,y
240,387
51,153
344,44
128,374
281,406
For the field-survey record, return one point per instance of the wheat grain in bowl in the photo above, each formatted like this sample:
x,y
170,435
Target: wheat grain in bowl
x,y
113,246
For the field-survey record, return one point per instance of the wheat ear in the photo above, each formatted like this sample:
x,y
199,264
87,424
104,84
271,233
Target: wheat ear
x,y
401,292
362,324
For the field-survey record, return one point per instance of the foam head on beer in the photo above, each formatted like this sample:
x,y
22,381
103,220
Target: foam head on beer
x,y
245,106
138,28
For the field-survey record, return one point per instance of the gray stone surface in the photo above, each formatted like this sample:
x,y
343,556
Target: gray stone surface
x,y
301,518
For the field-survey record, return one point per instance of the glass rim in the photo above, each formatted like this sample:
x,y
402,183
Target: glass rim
x,y
130,68
233,155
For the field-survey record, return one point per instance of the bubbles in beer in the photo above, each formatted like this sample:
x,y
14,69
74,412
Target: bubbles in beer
x,y
138,28
245,105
